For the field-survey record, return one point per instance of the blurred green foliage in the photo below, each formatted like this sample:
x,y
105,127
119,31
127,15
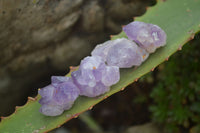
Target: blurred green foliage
x,y
176,95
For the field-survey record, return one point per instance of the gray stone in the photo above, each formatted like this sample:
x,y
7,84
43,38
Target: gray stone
x,y
93,17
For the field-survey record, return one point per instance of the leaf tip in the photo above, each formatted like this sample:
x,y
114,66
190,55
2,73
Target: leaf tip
x,y
180,47
105,97
58,126
192,34
16,109
136,79
3,118
31,99
166,59
153,69
90,108
122,88
76,115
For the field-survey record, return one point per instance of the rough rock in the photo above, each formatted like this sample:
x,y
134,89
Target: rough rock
x,y
93,17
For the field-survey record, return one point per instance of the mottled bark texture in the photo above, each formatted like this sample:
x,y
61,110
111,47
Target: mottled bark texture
x,y
39,38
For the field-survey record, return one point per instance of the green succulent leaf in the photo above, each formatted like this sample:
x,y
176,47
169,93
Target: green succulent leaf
x,y
180,19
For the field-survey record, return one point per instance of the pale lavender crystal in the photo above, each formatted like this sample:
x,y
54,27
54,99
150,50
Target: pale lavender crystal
x,y
90,74
58,96
49,106
47,94
102,49
125,54
121,52
87,89
91,70
148,36
55,80
110,75
66,93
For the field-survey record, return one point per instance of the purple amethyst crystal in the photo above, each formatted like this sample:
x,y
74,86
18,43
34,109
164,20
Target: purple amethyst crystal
x,y
66,93
56,80
110,75
121,52
47,94
58,96
91,76
148,36
125,54
49,107
102,49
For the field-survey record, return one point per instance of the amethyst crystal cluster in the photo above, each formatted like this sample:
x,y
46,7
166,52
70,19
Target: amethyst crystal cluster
x,y
94,77
101,70
147,36
58,96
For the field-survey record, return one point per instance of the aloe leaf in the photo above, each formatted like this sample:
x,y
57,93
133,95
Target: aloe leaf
x,y
180,19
